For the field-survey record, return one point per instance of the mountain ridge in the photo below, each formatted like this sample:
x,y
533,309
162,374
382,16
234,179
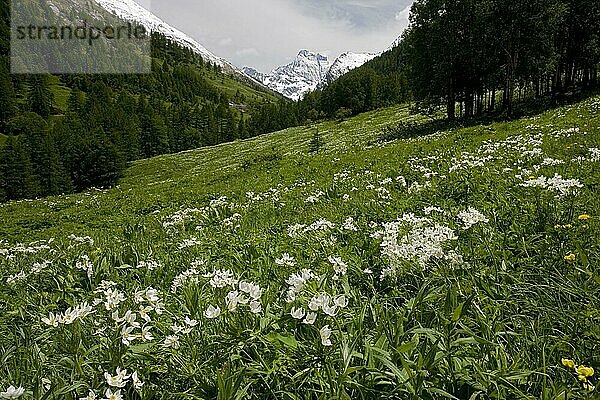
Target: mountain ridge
x,y
301,76
131,11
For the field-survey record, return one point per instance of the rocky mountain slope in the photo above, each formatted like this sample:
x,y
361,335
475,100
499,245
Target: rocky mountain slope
x,y
131,11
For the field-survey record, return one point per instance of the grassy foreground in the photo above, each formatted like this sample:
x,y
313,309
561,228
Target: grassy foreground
x,y
459,265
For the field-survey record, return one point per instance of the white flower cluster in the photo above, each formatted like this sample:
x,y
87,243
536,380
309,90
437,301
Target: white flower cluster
x,y
566,132
221,278
321,302
594,154
179,217
118,381
150,265
110,297
552,162
562,187
148,301
286,260
322,225
184,278
412,239
296,283
172,341
191,242
339,266
472,217
233,222
243,294
69,316
348,225
315,197
431,209
535,152
84,264
40,266
33,248
82,239
13,279
248,294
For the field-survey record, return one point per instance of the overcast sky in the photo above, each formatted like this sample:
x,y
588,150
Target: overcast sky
x,y
268,33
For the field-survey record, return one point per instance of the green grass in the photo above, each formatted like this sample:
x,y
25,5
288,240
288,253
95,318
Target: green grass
x,y
2,139
60,91
435,309
231,85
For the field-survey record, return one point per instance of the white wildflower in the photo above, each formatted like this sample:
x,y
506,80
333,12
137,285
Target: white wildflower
x,y
137,383
12,392
51,320
171,341
212,312
325,333
472,217
339,266
255,307
297,313
110,395
341,301
286,260
310,319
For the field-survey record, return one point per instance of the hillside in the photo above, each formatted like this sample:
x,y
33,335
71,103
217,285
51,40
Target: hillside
x,y
463,264
69,132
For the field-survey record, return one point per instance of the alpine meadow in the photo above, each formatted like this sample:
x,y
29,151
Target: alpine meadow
x,y
423,225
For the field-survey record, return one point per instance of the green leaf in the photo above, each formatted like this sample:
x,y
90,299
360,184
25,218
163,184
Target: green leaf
x,y
457,312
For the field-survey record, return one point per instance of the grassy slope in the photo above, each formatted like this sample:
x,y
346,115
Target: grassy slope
x,y
230,85
497,324
166,183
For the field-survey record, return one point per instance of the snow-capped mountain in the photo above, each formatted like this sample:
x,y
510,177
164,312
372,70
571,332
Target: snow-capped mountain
x,y
308,72
304,74
346,63
129,10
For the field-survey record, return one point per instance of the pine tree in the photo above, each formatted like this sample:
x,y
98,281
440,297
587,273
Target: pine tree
x,y
8,103
18,180
39,96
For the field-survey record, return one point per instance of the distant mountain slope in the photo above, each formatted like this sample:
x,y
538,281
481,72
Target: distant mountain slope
x,y
131,11
346,63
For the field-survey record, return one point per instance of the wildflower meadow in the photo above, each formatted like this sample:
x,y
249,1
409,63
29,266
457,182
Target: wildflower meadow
x,y
458,265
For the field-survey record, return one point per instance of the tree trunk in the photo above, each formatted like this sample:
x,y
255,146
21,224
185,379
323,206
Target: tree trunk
x,y
451,102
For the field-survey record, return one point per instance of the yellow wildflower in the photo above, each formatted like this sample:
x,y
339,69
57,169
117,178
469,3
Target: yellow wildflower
x,y
584,217
571,257
584,371
568,363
